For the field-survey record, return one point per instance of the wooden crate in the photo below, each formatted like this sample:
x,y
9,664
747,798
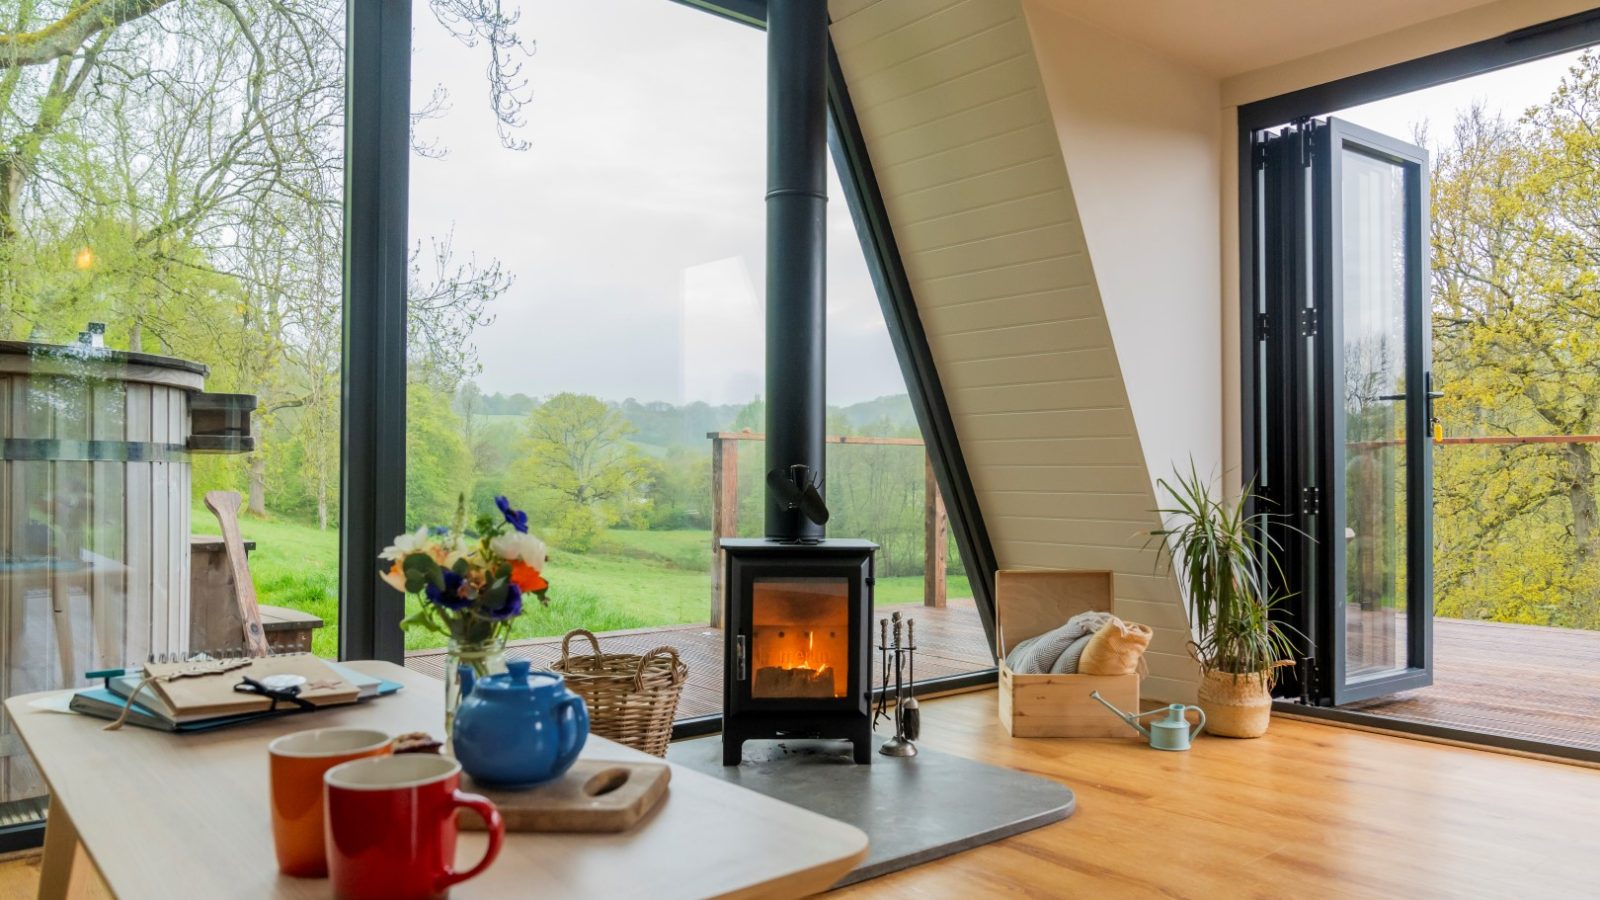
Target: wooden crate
x,y
1029,603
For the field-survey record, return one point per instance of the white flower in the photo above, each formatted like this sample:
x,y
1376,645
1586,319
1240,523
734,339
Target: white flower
x,y
406,544
517,545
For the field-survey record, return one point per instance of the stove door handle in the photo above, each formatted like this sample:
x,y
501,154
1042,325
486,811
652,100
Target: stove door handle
x,y
741,667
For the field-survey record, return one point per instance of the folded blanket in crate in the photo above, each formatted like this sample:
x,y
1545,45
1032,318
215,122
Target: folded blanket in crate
x,y
1058,648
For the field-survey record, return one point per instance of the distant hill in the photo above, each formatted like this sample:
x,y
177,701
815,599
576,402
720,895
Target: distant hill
x,y
894,409
662,426
666,425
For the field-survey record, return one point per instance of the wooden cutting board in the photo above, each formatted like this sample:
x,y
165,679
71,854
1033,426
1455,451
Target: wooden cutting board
x,y
593,796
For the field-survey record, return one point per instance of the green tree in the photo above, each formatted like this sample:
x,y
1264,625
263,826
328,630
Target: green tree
x,y
579,456
438,463
1516,301
173,168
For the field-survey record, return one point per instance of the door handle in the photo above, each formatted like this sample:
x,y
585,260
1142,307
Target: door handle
x,y
1435,430
1431,395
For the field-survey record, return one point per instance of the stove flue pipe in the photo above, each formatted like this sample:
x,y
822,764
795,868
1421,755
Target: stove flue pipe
x,y
797,200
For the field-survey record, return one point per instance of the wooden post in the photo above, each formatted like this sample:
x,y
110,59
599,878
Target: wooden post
x,y
724,513
937,545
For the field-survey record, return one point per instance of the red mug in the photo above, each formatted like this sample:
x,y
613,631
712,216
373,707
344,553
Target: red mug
x,y
391,827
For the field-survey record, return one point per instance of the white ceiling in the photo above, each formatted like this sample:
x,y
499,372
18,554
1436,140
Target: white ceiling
x,y
1228,37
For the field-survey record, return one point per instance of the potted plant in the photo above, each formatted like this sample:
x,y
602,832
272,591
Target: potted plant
x,y
1223,556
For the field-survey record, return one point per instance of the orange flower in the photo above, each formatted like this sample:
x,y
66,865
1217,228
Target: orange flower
x,y
527,578
395,578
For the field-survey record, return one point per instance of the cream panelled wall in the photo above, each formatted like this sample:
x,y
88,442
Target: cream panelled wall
x,y
967,154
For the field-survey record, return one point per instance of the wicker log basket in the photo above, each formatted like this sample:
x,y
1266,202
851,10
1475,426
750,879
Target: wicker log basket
x,y
632,699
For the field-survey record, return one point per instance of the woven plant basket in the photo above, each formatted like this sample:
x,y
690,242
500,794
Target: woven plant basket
x,y
1238,706
631,698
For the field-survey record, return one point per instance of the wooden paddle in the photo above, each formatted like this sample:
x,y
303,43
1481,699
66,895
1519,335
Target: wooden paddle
x,y
225,504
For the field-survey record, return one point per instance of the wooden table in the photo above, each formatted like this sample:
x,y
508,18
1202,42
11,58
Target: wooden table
x,y
162,815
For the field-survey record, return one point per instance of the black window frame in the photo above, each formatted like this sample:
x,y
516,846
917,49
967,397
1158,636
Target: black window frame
x,y
1514,48
1523,45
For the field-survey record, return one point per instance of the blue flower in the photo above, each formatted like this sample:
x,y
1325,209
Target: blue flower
x,y
516,518
512,606
450,596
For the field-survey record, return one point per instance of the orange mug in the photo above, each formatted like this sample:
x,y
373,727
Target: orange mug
x,y
298,763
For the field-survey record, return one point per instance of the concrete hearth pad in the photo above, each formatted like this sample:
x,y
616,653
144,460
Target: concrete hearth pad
x,y
913,810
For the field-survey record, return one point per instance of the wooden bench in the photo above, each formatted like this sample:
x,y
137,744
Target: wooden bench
x,y
215,623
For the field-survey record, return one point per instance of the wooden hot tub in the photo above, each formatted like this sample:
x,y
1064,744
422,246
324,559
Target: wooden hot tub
x,y
94,515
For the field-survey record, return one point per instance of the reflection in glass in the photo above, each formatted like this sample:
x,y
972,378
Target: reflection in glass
x,y
169,232
1373,309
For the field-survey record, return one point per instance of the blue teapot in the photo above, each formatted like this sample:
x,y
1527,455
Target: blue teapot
x,y
519,728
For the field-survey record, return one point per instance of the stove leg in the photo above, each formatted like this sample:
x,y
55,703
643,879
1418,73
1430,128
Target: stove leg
x,y
732,750
862,741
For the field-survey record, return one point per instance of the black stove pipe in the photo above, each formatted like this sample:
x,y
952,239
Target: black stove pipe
x,y
797,200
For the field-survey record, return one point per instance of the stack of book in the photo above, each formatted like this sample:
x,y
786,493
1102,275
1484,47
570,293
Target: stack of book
x,y
204,702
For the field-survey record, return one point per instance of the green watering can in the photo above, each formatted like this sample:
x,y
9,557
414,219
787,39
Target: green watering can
x,y
1170,733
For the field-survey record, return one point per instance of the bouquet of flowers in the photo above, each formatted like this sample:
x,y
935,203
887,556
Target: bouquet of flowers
x,y
473,582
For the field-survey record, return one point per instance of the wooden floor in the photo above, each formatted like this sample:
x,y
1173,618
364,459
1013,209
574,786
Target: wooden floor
x,y
1520,681
1309,811
950,641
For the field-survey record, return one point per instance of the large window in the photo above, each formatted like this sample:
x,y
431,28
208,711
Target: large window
x,y
169,232
595,240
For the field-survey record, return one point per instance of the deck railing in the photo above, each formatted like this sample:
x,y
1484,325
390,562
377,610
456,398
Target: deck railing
x,y
725,512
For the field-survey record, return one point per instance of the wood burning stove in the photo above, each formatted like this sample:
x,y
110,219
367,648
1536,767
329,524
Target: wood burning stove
x,y
796,661
798,647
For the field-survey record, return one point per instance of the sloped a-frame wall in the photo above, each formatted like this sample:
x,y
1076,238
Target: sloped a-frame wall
x,y
966,152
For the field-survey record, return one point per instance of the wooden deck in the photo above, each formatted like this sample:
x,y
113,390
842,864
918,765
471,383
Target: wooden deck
x,y
1519,681
950,642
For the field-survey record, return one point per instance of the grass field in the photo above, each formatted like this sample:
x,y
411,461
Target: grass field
x,y
631,579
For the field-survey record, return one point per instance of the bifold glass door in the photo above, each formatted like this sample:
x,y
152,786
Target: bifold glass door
x,y
1344,429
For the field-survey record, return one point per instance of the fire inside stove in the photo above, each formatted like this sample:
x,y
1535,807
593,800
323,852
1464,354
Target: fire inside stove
x,y
800,643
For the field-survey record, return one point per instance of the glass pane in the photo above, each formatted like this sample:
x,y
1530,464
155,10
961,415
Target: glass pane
x,y
594,265
180,211
800,644
879,484
1373,308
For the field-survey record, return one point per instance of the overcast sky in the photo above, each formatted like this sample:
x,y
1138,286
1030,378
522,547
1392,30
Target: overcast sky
x,y
1508,92
634,222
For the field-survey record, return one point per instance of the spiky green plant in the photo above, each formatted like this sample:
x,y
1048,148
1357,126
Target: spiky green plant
x,y
1223,555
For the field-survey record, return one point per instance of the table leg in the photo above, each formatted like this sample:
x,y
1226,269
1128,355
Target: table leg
x,y
67,872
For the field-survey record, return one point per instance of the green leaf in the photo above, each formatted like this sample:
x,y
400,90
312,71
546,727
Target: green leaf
x,y
420,571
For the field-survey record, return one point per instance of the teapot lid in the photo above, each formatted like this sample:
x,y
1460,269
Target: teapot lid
x,y
518,677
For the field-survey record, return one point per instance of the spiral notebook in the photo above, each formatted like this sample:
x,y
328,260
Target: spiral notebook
x,y
203,702
203,696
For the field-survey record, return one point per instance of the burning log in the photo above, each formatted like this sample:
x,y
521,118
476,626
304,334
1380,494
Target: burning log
x,y
775,681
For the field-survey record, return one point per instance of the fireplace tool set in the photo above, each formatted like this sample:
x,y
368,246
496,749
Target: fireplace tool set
x,y
899,658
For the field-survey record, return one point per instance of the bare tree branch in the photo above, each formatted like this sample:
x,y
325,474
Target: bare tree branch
x,y
64,36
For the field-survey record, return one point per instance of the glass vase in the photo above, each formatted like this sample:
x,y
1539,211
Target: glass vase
x,y
484,657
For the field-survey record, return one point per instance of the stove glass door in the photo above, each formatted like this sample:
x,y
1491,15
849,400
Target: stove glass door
x,y
800,638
